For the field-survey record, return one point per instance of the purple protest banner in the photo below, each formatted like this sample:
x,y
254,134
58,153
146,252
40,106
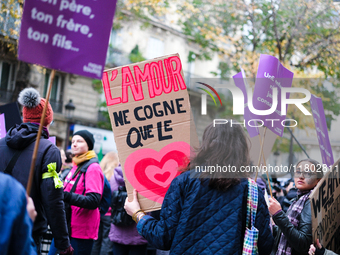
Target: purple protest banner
x,y
270,74
321,130
2,126
67,35
52,139
253,130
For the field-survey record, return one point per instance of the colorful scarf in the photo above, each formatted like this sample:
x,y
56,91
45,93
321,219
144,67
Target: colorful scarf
x,y
84,157
293,213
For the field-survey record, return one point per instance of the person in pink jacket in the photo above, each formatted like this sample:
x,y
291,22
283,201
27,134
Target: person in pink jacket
x,y
82,201
126,240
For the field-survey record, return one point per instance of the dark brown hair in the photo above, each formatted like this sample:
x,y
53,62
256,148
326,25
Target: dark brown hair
x,y
317,165
222,145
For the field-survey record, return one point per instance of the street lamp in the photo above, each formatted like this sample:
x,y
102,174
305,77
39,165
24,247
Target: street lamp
x,y
69,107
69,110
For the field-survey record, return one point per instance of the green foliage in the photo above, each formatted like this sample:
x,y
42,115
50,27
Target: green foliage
x,y
10,15
135,55
191,57
282,145
303,35
97,86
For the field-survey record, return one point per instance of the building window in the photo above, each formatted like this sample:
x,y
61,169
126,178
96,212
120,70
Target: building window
x,y
116,39
7,74
56,99
115,54
7,81
155,48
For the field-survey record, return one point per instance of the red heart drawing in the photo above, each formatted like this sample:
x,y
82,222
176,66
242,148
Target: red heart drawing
x,y
162,177
150,172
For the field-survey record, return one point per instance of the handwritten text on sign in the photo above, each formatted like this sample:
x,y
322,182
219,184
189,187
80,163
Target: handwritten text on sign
x,y
325,203
65,34
158,83
153,74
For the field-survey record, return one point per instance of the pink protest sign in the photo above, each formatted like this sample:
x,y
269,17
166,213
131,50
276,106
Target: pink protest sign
x,y
251,126
321,130
153,171
67,35
270,74
2,126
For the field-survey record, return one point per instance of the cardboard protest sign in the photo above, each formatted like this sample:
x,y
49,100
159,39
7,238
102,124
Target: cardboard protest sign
x,y
12,114
2,126
252,127
148,104
325,205
270,74
67,35
321,130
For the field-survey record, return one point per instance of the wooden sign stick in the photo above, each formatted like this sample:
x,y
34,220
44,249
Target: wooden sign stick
x,y
257,170
264,160
37,141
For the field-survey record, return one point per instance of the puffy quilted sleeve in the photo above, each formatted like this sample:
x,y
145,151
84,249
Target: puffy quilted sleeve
x,y
265,239
160,234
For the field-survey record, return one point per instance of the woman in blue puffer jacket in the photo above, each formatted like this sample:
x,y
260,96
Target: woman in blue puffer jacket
x,y
205,212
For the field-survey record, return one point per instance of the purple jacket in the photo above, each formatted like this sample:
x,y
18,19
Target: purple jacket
x,y
123,235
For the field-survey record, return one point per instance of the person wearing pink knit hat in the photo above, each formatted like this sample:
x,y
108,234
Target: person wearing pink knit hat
x,y
16,151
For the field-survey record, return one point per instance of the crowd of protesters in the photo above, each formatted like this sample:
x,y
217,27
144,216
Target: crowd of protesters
x,y
201,213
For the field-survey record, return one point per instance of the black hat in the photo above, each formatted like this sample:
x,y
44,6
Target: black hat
x,y
88,137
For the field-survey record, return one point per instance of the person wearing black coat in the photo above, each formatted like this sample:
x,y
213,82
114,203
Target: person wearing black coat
x,y
293,229
46,192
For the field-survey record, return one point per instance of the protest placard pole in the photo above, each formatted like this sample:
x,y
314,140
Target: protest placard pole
x,y
257,170
264,160
261,150
37,141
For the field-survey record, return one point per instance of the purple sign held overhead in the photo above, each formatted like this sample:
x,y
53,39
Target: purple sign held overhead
x,y
52,139
2,126
270,74
67,35
252,127
321,130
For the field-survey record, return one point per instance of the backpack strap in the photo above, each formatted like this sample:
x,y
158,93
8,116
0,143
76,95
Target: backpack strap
x,y
252,202
84,167
14,159
86,164
75,183
11,164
